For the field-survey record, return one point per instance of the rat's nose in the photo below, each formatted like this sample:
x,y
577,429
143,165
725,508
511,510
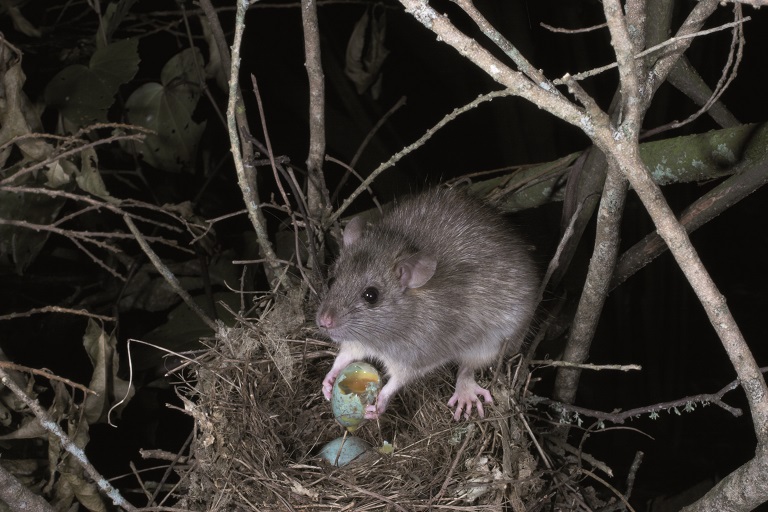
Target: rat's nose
x,y
325,320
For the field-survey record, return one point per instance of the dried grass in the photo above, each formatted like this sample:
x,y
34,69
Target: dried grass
x,y
260,420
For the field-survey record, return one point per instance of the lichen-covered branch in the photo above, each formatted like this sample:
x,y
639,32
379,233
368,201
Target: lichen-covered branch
x,y
618,139
748,176
75,451
622,146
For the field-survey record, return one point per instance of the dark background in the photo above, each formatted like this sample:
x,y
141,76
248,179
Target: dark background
x,y
653,319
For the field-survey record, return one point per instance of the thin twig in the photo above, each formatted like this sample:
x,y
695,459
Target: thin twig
x,y
361,490
620,417
56,156
169,276
447,480
351,171
118,208
573,30
609,486
669,42
585,366
48,375
408,149
78,453
368,138
507,47
237,127
56,309
728,75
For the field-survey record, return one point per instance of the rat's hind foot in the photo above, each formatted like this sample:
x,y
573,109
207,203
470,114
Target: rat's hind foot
x,y
468,394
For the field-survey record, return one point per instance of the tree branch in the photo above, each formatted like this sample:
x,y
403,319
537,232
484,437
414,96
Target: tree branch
x,y
237,126
77,453
318,198
596,287
18,497
749,175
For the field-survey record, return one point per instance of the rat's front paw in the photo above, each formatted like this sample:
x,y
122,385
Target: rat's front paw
x,y
468,396
328,384
374,411
371,413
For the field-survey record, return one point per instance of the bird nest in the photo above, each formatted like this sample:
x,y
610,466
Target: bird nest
x,y
260,421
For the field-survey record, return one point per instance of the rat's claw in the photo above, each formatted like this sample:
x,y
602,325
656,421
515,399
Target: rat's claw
x,y
328,385
466,397
371,413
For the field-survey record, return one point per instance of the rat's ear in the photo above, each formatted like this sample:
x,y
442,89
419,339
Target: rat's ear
x,y
354,230
415,270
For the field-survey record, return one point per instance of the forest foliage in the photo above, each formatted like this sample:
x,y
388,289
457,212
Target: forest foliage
x,y
173,180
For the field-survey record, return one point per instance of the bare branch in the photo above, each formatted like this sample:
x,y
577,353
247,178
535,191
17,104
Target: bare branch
x,y
620,417
56,309
48,375
585,366
654,49
573,30
18,497
633,105
729,73
117,207
80,146
748,176
77,453
318,198
682,41
549,100
507,47
408,149
596,288
169,277
237,126
742,489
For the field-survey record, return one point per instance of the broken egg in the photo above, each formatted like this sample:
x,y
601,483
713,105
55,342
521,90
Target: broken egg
x,y
356,387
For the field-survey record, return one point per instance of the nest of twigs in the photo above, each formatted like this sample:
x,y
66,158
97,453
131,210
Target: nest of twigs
x,y
260,421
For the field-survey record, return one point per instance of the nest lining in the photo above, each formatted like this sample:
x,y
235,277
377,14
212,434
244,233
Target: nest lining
x,y
260,421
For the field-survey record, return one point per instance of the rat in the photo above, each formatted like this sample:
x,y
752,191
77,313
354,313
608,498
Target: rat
x,y
440,278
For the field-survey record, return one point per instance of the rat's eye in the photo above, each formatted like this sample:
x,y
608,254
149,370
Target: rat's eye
x,y
370,295
331,280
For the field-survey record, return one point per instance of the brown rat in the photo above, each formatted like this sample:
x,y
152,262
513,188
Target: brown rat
x,y
440,278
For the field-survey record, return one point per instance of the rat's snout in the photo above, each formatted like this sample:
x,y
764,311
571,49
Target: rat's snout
x,y
326,319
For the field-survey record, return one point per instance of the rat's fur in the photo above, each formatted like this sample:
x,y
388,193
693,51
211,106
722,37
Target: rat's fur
x,y
453,281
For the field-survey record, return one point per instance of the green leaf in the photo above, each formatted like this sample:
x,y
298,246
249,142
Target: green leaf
x,y
79,95
167,110
185,67
117,63
84,94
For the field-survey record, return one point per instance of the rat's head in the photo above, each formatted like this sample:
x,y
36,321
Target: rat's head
x,y
373,285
